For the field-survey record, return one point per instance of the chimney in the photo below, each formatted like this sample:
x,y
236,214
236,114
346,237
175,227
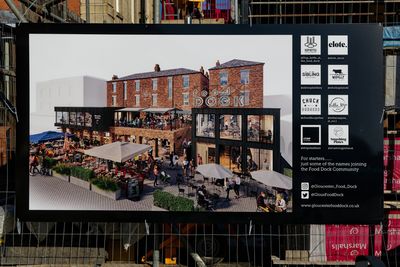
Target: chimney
x,y
207,74
157,68
202,70
217,64
115,77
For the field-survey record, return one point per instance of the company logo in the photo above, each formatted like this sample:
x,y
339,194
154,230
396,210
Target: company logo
x,y
310,74
338,75
337,44
310,44
338,105
310,104
338,135
310,135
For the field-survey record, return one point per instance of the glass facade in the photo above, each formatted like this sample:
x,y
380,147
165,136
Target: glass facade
x,y
259,159
230,157
205,153
260,128
230,127
205,125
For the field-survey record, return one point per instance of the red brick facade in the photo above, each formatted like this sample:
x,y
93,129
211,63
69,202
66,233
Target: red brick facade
x,y
231,93
196,81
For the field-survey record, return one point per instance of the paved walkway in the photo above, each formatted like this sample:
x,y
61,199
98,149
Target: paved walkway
x,y
51,193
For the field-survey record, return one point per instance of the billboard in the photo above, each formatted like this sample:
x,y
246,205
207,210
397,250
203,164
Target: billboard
x,y
163,123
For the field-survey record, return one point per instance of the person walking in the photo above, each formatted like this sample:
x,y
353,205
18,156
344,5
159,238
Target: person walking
x,y
236,186
229,183
156,173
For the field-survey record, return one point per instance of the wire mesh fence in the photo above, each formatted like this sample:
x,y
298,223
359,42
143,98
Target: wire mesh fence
x,y
224,244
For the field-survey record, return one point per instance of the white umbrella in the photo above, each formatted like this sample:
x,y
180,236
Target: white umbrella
x,y
118,151
214,171
273,179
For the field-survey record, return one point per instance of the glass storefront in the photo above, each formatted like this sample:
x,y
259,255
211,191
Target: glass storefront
x,y
205,153
260,128
72,118
230,157
259,159
88,119
230,127
205,125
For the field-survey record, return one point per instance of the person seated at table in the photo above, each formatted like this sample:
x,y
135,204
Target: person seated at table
x,y
280,204
261,202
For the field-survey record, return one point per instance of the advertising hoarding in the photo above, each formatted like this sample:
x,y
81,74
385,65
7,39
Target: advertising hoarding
x,y
287,130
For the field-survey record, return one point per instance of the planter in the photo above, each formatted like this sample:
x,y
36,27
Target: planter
x,y
79,182
61,176
110,194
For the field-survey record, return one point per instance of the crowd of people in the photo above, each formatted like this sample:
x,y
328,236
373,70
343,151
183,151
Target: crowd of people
x,y
154,121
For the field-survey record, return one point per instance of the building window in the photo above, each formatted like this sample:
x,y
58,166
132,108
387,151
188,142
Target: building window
x,y
169,87
154,84
137,86
125,91
231,127
114,87
185,81
259,159
137,100
117,6
205,125
114,100
260,128
154,100
205,153
244,76
230,157
223,78
244,98
186,99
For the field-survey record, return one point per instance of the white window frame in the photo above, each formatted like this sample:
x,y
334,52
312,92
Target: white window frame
x,y
246,99
185,103
248,76
114,87
113,100
137,85
137,100
170,87
183,81
220,77
117,6
154,82
125,90
154,103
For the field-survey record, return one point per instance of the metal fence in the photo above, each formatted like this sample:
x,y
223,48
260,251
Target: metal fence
x,y
225,244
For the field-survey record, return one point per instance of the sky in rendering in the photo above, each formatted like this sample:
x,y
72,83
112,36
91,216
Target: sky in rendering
x,y
61,56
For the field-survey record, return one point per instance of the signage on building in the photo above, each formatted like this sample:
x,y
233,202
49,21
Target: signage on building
x,y
290,126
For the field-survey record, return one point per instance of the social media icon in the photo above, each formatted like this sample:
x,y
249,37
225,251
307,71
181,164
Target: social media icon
x,y
305,186
305,194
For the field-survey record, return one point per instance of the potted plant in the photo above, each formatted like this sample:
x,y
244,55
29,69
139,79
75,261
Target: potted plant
x,y
105,186
171,202
62,171
81,176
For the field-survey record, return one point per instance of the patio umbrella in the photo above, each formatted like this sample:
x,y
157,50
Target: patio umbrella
x,y
273,179
118,151
214,171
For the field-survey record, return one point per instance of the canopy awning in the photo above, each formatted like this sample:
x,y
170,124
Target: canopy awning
x,y
273,179
47,136
160,110
118,151
129,109
213,170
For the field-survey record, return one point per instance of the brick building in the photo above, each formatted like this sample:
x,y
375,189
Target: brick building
x,y
159,88
236,82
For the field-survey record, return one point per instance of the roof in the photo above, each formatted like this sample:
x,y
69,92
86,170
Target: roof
x,y
156,74
160,110
130,109
236,63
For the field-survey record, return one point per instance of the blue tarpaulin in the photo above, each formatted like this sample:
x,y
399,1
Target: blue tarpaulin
x,y
391,36
46,136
